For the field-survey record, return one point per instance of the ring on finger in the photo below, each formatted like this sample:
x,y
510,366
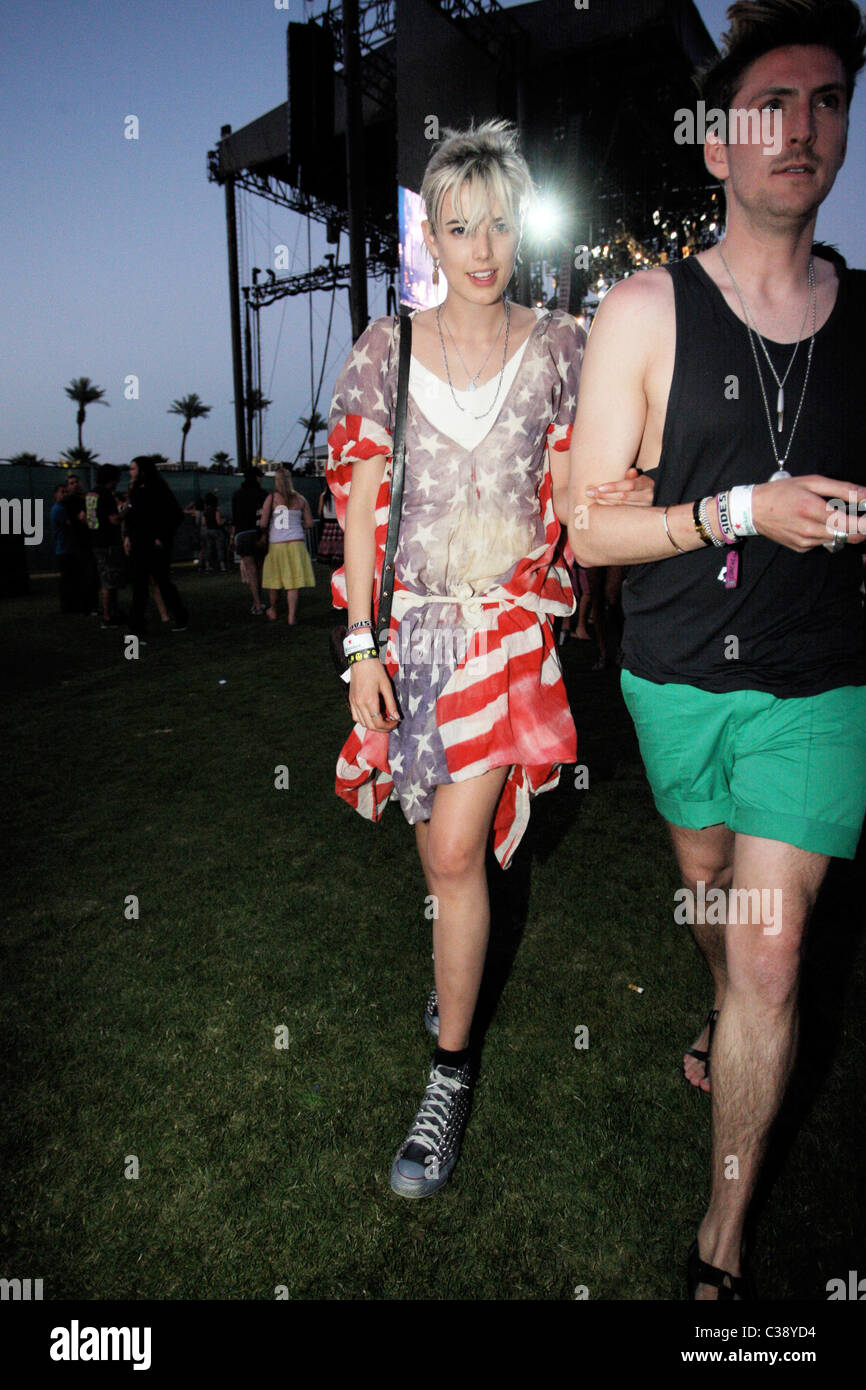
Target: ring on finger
x,y
839,541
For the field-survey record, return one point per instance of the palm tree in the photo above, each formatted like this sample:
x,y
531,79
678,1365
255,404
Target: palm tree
x,y
256,405
314,424
221,460
26,460
82,390
191,408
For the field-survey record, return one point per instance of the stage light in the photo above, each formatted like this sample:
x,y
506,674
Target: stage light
x,y
544,220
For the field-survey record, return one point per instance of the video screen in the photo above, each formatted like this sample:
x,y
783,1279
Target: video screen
x,y
416,266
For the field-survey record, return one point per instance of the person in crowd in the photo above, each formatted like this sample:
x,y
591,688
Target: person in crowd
x,y
195,509
247,536
464,717
67,561
151,520
330,550
738,374
108,542
214,534
83,566
285,516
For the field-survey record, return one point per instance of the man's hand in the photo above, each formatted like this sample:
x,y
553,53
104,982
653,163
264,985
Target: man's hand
x,y
369,689
795,511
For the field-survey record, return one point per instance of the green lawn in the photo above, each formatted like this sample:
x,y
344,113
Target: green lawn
x,y
259,907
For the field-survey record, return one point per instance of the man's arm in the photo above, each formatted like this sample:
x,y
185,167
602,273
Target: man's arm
x,y
625,344
611,418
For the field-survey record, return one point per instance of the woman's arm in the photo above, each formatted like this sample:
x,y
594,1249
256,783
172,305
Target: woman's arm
x,y
307,516
369,685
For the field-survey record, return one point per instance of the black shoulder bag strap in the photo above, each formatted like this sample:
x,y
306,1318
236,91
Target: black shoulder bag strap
x,y
386,593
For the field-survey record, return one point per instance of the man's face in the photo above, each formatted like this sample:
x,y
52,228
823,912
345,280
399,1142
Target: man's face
x,y
786,179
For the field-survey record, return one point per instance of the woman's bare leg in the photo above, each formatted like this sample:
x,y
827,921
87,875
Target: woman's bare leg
x,y
452,848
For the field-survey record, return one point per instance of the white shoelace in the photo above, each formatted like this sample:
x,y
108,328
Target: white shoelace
x,y
431,1119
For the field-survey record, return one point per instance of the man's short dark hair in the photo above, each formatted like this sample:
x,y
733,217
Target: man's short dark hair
x,y
759,26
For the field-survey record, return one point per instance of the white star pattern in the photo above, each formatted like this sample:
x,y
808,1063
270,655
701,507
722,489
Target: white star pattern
x,y
396,762
512,422
414,702
431,444
423,742
426,481
413,795
424,534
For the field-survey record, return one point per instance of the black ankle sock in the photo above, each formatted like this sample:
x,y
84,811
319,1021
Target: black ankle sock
x,y
443,1058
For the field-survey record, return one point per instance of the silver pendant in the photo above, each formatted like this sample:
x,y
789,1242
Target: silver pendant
x,y
779,475
780,409
471,386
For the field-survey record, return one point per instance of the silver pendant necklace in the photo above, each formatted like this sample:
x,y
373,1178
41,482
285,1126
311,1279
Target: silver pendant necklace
x,y
472,379
781,470
501,369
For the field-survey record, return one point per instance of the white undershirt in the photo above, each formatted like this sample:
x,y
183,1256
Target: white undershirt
x,y
433,397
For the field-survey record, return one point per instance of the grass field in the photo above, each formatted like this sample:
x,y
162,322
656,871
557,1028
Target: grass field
x,y
262,1166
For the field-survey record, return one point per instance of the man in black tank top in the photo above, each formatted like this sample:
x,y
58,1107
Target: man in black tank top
x,y
738,376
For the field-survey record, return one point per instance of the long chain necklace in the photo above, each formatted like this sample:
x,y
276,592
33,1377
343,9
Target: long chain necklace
x,y
472,379
501,369
781,470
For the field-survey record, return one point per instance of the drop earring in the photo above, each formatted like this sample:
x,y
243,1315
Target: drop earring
x,y
435,272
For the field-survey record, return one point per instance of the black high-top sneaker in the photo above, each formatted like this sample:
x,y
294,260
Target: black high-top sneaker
x,y
426,1158
431,1013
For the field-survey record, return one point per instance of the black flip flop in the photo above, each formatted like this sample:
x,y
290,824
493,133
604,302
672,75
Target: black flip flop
x,y
730,1286
698,1052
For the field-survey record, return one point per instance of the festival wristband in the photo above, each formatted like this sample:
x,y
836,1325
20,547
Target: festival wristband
x,y
723,504
740,511
362,656
358,642
363,622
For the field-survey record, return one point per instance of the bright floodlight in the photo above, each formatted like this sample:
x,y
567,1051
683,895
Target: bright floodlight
x,y
544,220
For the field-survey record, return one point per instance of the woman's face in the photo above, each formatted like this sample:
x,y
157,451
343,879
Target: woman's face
x,y
133,472
477,267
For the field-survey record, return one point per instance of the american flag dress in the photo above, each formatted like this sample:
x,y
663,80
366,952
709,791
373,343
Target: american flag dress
x,y
479,573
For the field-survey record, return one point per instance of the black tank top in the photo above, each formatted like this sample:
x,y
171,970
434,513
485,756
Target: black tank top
x,y
797,618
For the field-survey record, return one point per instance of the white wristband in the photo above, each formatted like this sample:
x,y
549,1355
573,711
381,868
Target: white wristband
x,y
740,510
361,641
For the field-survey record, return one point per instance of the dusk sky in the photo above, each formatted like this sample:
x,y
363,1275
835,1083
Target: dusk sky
x,y
114,250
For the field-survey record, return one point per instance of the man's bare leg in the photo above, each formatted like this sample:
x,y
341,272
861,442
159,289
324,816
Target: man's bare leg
x,y
705,856
756,1033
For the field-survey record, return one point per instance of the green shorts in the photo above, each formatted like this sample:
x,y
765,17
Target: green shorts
x,y
790,770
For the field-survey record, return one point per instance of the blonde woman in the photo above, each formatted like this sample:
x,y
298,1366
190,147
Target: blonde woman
x,y
285,516
464,718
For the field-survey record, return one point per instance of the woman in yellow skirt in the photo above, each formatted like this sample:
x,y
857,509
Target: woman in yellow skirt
x,y
286,514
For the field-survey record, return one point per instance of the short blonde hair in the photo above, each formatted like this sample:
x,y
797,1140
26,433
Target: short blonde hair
x,y
485,162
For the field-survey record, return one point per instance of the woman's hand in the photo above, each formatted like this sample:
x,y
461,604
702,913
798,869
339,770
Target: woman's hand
x,y
635,489
370,690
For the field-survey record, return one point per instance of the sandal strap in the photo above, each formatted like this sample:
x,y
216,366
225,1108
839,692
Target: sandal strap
x,y
730,1286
